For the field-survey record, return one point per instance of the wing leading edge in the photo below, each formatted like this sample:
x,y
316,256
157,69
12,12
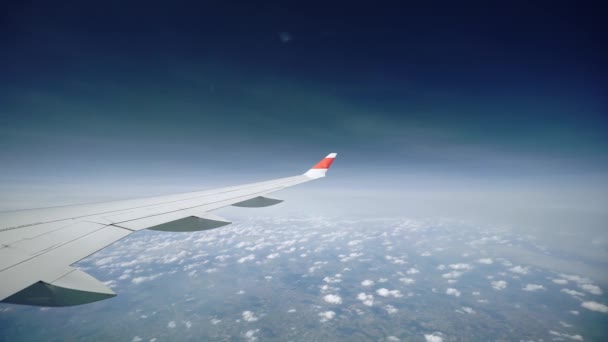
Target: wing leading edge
x,y
38,247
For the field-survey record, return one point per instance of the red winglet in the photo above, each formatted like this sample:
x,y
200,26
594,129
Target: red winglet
x,y
321,167
325,163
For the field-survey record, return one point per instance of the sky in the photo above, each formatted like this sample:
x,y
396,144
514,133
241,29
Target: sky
x,y
485,111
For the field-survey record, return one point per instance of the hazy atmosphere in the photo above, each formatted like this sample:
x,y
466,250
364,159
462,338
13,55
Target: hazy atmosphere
x,y
486,117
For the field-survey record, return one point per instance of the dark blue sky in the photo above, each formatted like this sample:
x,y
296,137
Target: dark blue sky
x,y
107,90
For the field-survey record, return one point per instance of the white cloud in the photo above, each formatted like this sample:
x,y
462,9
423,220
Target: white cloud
x,y
327,315
222,258
188,324
499,284
468,310
433,338
250,335
171,325
560,281
519,270
533,287
462,267
139,280
452,275
110,283
407,281
272,256
390,309
398,261
452,292
104,261
367,299
575,278
595,306
332,280
367,282
332,299
215,321
389,293
136,339
486,261
572,337
246,258
412,271
249,316
593,289
573,293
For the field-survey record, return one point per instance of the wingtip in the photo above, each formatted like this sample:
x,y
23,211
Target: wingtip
x,y
321,167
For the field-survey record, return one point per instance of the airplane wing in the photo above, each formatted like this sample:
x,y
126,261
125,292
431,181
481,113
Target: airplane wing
x,y
38,247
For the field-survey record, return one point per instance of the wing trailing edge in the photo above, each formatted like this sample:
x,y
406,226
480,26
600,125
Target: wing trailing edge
x,y
258,202
74,288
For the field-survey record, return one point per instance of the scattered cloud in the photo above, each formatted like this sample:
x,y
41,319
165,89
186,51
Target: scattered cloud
x,y
519,270
468,310
573,293
485,261
575,278
593,289
367,299
461,267
171,325
407,281
139,280
332,280
390,309
327,315
595,306
412,271
249,316
568,336
499,284
332,299
250,335
533,287
452,292
389,293
433,338
246,258
452,275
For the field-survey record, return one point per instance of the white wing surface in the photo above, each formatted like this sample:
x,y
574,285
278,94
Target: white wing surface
x,y
38,246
